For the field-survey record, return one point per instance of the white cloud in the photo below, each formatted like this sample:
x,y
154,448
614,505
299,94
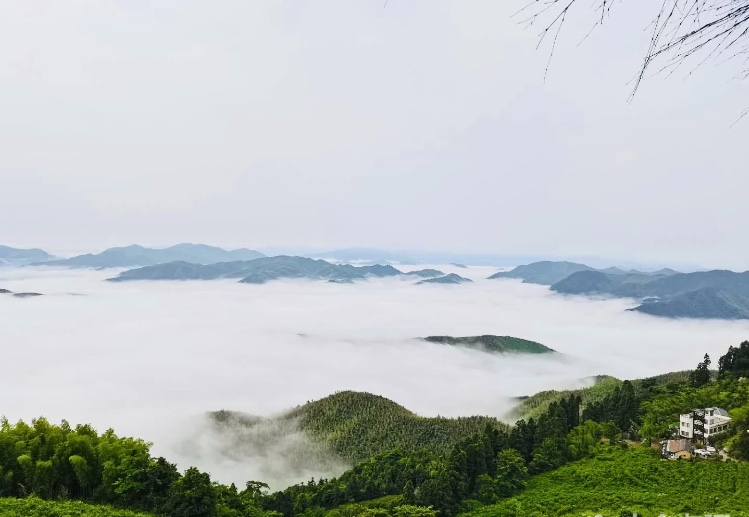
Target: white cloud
x,y
149,358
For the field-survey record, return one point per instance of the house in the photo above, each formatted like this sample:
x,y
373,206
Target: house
x,y
679,449
700,424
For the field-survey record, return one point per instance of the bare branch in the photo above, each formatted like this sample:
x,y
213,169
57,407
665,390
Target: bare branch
x,y
680,30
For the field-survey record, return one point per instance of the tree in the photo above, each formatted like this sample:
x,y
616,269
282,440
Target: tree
x,y
680,29
701,375
193,495
511,473
735,363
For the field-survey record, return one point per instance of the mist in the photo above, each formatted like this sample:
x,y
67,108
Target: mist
x,y
149,359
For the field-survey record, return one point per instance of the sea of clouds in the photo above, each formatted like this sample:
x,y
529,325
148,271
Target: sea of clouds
x,y
150,358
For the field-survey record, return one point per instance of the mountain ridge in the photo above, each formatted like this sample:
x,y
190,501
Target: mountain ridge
x,y
137,255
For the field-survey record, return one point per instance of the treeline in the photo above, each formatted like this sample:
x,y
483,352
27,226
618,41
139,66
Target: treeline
x,y
482,469
61,462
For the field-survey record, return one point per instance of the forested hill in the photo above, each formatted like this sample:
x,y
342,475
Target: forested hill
x,y
574,459
601,386
265,269
489,343
356,425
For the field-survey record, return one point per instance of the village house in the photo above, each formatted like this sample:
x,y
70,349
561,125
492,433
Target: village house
x,y
679,449
700,424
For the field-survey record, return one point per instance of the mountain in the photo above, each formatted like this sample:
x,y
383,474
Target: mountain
x,y
368,255
258,271
135,255
708,303
426,273
544,273
356,425
21,257
498,344
461,266
598,282
657,285
452,278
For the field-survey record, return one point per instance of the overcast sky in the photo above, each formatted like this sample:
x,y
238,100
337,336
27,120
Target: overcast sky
x,y
425,124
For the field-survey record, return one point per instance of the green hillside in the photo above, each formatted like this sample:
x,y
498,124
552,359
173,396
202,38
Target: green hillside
x,y
535,405
489,343
618,481
35,507
359,425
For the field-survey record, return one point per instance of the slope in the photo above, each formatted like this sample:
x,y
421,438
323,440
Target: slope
x,y
355,426
618,482
34,507
707,303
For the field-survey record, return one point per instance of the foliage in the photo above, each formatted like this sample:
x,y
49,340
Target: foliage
x,y
535,405
35,507
359,425
635,480
58,461
701,375
736,361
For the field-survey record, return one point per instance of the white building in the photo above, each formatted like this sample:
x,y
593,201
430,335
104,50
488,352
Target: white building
x,y
713,420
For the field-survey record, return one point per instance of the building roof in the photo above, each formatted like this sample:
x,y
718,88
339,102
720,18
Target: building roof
x,y
678,445
720,411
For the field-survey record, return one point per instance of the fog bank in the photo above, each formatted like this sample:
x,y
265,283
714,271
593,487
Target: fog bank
x,y
149,358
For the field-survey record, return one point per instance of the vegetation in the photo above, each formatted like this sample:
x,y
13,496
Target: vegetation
x,y
35,507
572,458
358,426
500,344
61,462
535,405
736,362
619,481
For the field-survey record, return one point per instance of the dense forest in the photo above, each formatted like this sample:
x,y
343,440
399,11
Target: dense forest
x,y
578,454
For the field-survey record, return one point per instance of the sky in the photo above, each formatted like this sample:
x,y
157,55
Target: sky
x,y
420,124
150,358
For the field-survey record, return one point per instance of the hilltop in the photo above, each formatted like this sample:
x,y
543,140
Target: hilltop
x,y
452,278
708,302
716,294
356,425
21,257
265,269
136,255
490,343
545,272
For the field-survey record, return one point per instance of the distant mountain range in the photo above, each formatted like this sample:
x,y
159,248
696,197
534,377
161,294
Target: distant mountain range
x,y
135,255
21,257
265,269
364,255
717,294
496,344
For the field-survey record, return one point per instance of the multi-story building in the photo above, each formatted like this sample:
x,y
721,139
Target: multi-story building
x,y
700,424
